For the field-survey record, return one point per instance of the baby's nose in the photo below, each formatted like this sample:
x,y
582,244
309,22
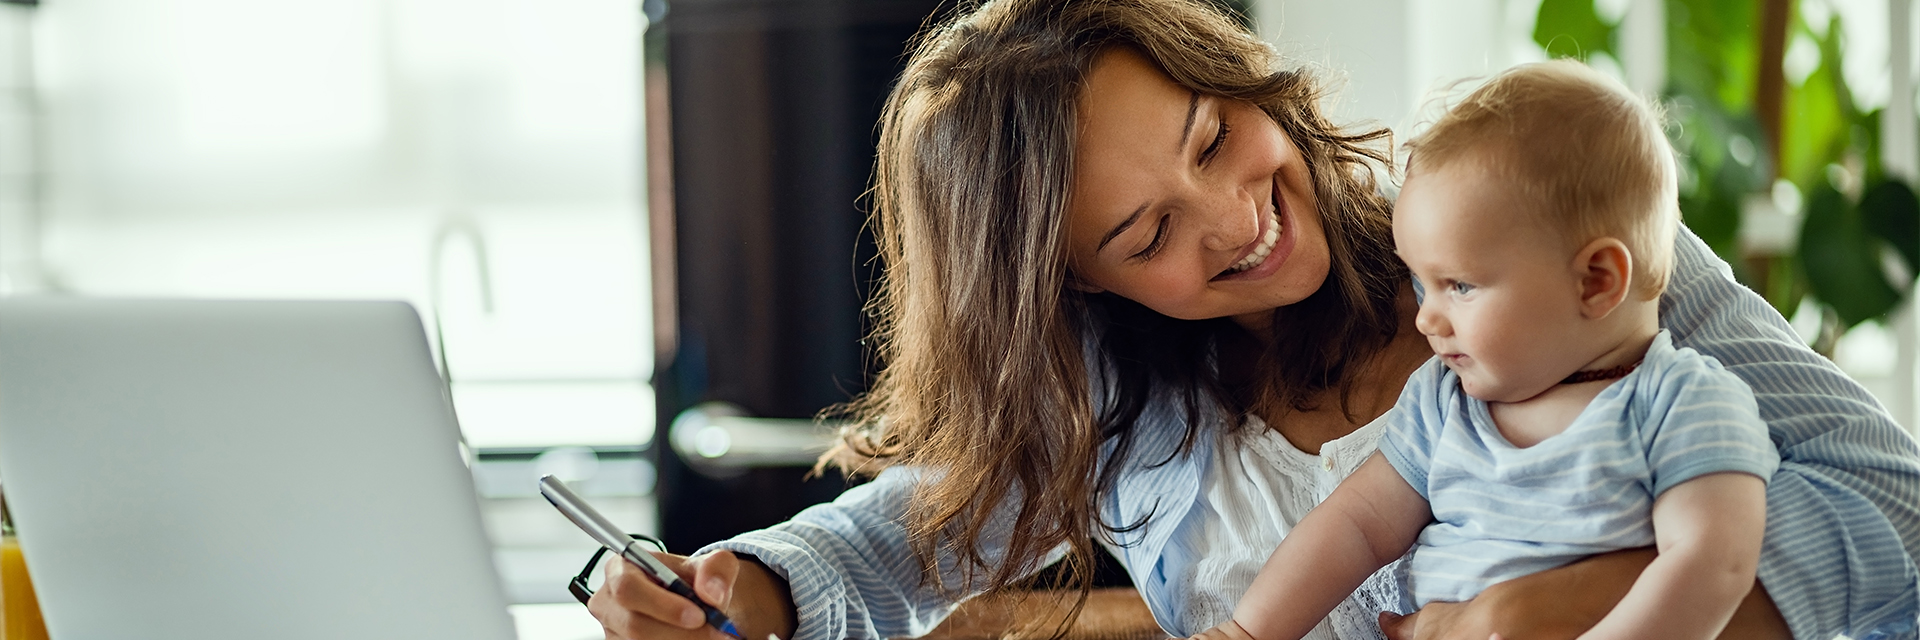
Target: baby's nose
x,y
1431,322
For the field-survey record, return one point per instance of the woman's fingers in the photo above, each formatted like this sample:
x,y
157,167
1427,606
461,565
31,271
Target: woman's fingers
x,y
712,577
629,593
631,606
1399,627
1438,621
621,624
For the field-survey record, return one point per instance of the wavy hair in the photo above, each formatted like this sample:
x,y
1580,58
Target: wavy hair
x,y
984,381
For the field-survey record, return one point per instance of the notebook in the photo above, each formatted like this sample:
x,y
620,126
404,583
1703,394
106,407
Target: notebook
x,y
239,470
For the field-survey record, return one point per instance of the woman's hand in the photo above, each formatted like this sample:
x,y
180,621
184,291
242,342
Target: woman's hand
x,y
1431,619
1562,603
631,607
1555,604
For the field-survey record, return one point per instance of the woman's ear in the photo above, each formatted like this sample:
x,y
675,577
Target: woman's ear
x,y
1605,270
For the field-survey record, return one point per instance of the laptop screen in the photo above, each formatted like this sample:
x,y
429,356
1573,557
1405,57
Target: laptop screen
x,y
215,469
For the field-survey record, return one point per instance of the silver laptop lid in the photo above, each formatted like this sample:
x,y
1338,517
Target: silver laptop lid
x,y
214,470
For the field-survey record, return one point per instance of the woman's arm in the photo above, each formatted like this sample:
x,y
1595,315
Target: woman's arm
x,y
846,568
1844,507
1708,530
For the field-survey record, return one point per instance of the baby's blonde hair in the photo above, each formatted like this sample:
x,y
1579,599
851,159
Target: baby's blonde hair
x,y
1589,156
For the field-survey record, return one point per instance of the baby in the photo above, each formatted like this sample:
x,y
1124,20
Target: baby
x,y
1557,419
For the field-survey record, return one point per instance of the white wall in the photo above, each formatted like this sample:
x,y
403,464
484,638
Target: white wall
x,y
1364,40
1394,54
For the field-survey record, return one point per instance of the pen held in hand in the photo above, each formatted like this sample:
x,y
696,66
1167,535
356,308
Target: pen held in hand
x,y
610,536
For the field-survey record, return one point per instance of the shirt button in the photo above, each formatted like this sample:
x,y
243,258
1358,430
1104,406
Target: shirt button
x,y
1326,463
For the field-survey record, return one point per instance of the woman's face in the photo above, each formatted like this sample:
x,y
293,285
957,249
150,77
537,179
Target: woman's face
x,y
1194,205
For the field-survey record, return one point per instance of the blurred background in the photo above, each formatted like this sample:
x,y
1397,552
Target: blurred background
x,y
633,228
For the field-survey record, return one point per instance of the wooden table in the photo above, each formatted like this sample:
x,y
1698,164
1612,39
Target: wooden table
x,y
1110,614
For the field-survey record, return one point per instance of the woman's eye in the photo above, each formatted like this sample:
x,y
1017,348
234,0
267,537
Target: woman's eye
x,y
1159,240
1218,139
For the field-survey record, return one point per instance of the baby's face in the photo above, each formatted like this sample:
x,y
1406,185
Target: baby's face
x,y
1502,305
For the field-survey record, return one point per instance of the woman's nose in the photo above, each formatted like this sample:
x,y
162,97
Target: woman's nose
x,y
1235,221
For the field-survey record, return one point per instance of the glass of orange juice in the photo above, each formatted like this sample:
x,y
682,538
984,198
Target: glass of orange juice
x,y
19,609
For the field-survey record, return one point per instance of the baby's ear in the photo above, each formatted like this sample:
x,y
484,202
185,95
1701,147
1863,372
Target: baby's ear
x,y
1605,270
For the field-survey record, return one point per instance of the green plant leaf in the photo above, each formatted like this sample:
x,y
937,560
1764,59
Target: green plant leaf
x,y
1709,95
1814,134
1842,260
1817,129
1890,211
1712,51
1713,210
1571,29
1866,134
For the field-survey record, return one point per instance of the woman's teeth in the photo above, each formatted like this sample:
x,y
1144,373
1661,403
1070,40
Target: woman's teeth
x,y
1260,253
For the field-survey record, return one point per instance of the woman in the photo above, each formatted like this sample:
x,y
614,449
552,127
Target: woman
x,y
1140,291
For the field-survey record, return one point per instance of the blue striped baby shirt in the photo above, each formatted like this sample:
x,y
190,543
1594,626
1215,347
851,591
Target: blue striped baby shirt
x,y
1843,510
1501,512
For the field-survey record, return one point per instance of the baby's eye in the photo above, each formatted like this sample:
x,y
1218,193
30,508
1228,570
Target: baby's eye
x,y
1462,288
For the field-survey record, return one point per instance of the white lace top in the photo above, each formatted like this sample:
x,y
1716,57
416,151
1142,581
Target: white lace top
x,y
1255,489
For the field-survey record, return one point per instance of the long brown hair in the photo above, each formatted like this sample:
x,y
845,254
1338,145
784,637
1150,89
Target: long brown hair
x,y
985,380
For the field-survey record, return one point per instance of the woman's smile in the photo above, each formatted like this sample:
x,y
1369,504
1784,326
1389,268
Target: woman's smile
x,y
1264,257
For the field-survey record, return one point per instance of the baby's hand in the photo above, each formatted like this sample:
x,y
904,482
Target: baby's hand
x,y
1228,630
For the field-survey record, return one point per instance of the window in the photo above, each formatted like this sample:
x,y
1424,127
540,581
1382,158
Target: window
x,y
480,159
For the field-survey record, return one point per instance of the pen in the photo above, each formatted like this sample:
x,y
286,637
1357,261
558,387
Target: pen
x,y
613,538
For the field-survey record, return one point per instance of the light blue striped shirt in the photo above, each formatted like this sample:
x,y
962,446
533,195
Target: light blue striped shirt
x,y
1843,510
1501,512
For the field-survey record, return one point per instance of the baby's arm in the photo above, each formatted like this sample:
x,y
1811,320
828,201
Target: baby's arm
x,y
1369,521
1708,530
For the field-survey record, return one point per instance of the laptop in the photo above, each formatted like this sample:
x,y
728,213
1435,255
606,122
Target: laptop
x,y
239,470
